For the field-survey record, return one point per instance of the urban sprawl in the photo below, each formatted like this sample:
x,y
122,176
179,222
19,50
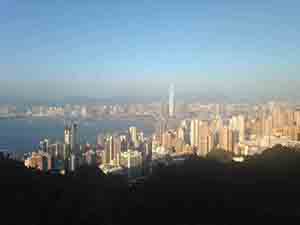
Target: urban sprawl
x,y
181,130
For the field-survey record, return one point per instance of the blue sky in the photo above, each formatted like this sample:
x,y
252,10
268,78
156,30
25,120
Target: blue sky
x,y
114,48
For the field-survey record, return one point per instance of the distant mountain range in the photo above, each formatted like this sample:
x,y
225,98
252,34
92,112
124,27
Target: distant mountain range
x,y
204,98
21,101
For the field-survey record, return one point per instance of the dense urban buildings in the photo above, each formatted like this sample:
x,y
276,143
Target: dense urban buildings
x,y
240,129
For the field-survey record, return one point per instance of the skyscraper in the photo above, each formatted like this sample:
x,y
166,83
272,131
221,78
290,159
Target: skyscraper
x,y
162,127
106,153
297,117
267,125
67,135
111,149
205,139
278,116
228,139
75,148
72,162
168,140
116,150
147,156
133,135
237,123
44,145
172,101
194,132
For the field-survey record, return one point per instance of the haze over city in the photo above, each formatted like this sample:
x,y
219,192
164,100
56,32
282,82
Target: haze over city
x,y
149,112
238,49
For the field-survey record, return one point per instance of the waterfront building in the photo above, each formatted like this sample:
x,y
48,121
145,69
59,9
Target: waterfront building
x,y
39,160
100,141
133,135
132,161
117,145
72,162
67,135
44,145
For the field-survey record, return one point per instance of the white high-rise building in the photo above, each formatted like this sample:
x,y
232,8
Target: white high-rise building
x,y
67,135
72,161
237,123
194,132
206,139
133,135
172,101
111,149
241,128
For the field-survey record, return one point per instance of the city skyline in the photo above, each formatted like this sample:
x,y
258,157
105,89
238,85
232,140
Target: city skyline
x,y
149,111
136,49
239,130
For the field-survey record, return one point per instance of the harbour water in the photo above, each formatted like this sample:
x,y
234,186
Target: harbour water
x,y
24,135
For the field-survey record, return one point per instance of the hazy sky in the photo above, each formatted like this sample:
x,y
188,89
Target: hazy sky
x,y
123,48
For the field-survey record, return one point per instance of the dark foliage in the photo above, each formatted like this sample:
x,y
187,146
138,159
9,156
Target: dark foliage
x,y
264,189
220,155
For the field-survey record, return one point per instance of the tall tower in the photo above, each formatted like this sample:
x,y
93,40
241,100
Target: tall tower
x,y
204,139
106,153
237,123
116,150
111,149
228,139
67,136
44,145
241,127
75,139
133,135
171,101
194,132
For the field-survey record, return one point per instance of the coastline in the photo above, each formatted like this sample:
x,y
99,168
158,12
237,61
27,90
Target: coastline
x,y
24,134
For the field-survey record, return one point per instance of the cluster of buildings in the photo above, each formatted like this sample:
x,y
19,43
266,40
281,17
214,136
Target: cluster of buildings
x,y
241,130
7,111
196,136
273,124
126,153
60,157
90,111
